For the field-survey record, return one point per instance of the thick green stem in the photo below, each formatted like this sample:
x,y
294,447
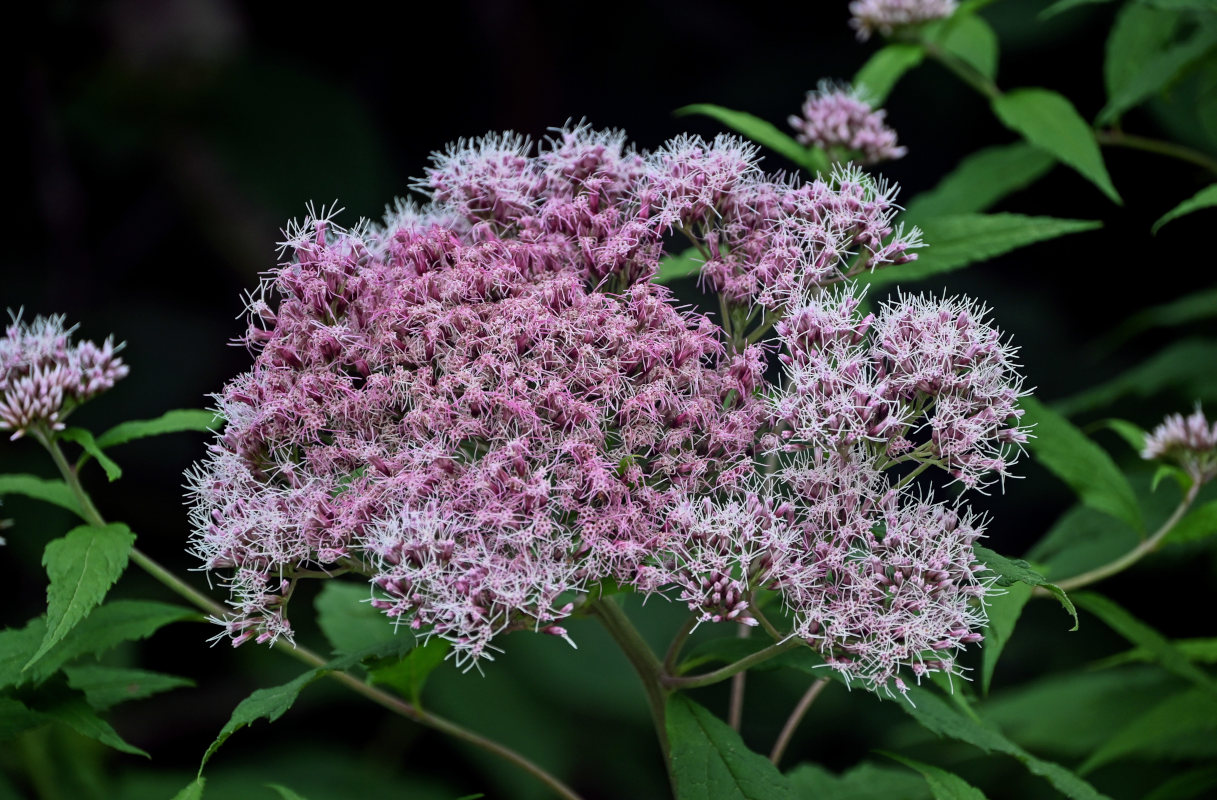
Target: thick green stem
x,y
302,654
722,674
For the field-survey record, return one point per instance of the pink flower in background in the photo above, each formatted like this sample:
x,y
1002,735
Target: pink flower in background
x,y
1190,441
839,120
888,16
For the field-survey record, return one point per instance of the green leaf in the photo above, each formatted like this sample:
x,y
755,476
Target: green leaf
x,y
1186,785
1011,571
284,792
1080,540
1131,433
85,439
1143,636
108,686
349,622
269,703
17,645
882,70
1065,5
194,791
176,421
1049,121
675,266
944,785
53,492
1205,198
74,711
1173,367
1189,308
934,714
1004,611
1084,466
981,180
866,781
963,239
1188,715
1158,73
711,762
763,133
1202,650
1199,523
409,674
82,566
970,39
16,718
1137,36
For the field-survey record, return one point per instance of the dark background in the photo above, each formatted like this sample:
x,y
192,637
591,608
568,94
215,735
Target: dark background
x,y
160,147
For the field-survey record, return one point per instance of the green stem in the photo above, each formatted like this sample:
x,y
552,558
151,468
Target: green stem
x,y
796,716
964,71
722,674
1132,556
678,642
1116,138
302,654
907,479
739,683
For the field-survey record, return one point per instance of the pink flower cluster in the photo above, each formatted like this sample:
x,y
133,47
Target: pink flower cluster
x,y
1190,441
839,120
486,408
888,16
43,375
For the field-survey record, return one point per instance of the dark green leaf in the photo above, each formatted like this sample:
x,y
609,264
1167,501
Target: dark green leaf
x,y
1138,35
944,785
1146,638
1189,308
349,622
711,762
1173,367
1186,785
17,646
981,180
1065,5
108,686
85,439
970,39
194,791
407,675
284,792
1158,73
269,703
15,718
82,566
1080,463
176,421
1081,540
72,710
1004,611
54,492
1011,571
679,265
1182,719
881,72
864,782
1205,198
1199,523
957,241
1133,434
763,133
1201,650
1049,121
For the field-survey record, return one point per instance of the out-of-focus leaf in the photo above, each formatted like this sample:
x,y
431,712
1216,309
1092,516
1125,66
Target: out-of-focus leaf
x,y
1189,308
16,718
1186,785
284,792
763,133
82,566
86,441
1205,198
1173,367
866,781
407,675
1065,5
885,68
711,762
1158,73
1131,433
1137,36
1084,466
679,265
962,239
981,180
1049,121
192,792
944,785
17,646
72,710
1146,638
349,622
1010,571
108,686
175,421
1004,611
970,39
1199,523
1166,729
1183,5
53,492
1201,650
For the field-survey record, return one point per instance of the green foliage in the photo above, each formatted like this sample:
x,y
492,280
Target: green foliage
x,y
711,762
1049,121
1185,785
1174,367
885,68
194,791
82,566
763,133
970,39
175,421
679,265
269,703
1158,73
1172,729
71,709
944,785
106,686
349,622
981,180
959,240
1202,303
1199,523
1080,463
866,781
1202,650
1004,611
16,718
284,792
49,491
1065,5
86,441
1011,571
408,675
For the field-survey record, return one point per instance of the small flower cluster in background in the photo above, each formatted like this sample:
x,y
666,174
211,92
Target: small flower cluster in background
x,y
43,375
839,120
889,16
1190,442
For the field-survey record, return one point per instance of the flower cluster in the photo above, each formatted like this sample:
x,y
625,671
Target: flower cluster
x,y
839,120
887,16
1189,441
486,407
43,375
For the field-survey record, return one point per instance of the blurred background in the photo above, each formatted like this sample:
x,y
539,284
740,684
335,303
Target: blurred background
x,y
157,147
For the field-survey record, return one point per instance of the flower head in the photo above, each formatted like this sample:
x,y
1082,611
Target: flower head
x,y
888,16
1189,441
839,120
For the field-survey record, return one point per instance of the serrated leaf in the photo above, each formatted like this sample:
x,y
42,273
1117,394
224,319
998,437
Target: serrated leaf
x,y
1004,611
268,704
1011,571
105,686
763,133
934,714
1173,367
17,646
1049,121
959,240
284,792
1065,5
86,441
175,421
1190,715
349,622
194,791
866,781
970,39
1145,637
74,712
16,718
1163,69
711,762
675,266
981,180
53,492
409,674
885,68
1137,36
82,566
1084,466
1205,198
944,785
1199,523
